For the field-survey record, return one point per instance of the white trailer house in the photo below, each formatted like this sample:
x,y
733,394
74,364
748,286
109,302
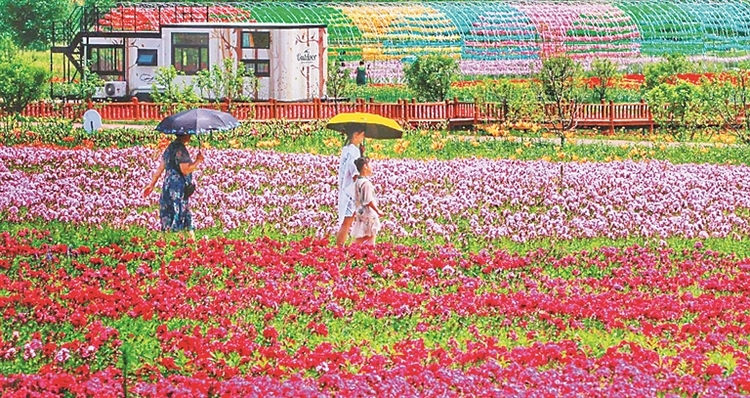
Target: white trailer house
x,y
289,60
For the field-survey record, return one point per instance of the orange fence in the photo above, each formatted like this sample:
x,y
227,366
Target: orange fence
x,y
605,115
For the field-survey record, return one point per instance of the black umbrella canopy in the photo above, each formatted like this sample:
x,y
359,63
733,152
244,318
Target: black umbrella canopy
x,y
197,121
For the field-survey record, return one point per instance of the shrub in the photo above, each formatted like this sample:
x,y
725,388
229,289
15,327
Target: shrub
x,y
20,83
430,76
167,92
606,72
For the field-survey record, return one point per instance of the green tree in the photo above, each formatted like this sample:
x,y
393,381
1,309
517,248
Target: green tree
x,y
169,93
606,72
339,83
430,76
562,91
677,109
725,101
20,83
665,71
225,81
517,101
30,22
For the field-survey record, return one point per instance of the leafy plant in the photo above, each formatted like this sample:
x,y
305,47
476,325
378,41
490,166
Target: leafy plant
x,y
83,89
430,76
725,100
517,101
606,73
676,108
665,71
339,84
226,82
169,93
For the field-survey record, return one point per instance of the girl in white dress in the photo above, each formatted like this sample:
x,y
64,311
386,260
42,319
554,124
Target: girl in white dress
x,y
367,219
347,175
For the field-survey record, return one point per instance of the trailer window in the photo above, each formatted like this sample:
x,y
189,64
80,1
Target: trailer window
x,y
256,40
190,52
146,57
258,68
107,61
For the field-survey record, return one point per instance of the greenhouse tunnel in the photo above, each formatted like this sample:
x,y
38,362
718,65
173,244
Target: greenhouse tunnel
x,y
493,37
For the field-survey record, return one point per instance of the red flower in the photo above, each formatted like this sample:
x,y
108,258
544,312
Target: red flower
x,y
270,333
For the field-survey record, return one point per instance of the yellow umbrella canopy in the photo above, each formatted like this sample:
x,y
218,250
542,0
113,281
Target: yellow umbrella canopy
x,y
374,126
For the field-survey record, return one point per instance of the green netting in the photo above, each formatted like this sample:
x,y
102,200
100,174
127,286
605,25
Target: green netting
x,y
492,30
515,32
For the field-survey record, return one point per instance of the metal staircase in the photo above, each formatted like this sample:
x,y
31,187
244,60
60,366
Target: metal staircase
x,y
68,39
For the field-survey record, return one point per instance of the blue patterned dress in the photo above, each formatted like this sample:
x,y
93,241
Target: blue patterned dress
x,y
174,210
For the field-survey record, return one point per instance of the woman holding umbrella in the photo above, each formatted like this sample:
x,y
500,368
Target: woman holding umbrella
x,y
174,210
347,174
356,125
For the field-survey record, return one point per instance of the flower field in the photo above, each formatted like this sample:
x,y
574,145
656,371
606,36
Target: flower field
x,y
505,269
451,200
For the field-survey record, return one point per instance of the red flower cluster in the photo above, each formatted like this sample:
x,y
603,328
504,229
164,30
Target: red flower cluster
x,y
237,318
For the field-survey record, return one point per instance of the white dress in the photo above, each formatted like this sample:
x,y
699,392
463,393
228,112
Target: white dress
x,y
347,172
366,221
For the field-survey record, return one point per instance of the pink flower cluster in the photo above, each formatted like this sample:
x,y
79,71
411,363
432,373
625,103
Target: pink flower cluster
x,y
296,194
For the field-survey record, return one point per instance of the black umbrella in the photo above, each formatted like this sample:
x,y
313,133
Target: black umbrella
x,y
197,121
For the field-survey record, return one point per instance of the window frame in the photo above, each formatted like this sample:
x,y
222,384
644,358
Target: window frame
x,y
255,63
247,44
189,46
119,64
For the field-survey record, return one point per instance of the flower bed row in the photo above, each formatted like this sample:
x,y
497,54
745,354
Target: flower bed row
x,y
461,201
229,317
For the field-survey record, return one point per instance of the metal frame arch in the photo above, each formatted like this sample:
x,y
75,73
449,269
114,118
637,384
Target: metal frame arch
x,y
499,32
477,22
725,24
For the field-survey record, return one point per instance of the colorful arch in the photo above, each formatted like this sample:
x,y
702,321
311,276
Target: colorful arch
x,y
509,37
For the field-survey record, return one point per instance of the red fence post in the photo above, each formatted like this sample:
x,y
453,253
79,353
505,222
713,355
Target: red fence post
x,y
136,109
476,111
316,108
611,117
273,108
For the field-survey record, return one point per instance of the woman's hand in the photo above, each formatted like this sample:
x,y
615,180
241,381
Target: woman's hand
x,y
147,191
199,157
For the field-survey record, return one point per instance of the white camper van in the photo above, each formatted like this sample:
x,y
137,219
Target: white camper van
x,y
289,60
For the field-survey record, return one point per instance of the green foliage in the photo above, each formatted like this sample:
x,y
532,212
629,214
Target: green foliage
x,y
606,71
8,49
677,108
20,84
83,89
518,101
339,84
725,100
169,93
664,71
226,82
560,78
30,22
430,76
385,93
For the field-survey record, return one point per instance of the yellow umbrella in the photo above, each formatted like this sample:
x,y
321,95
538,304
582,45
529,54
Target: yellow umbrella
x,y
374,126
